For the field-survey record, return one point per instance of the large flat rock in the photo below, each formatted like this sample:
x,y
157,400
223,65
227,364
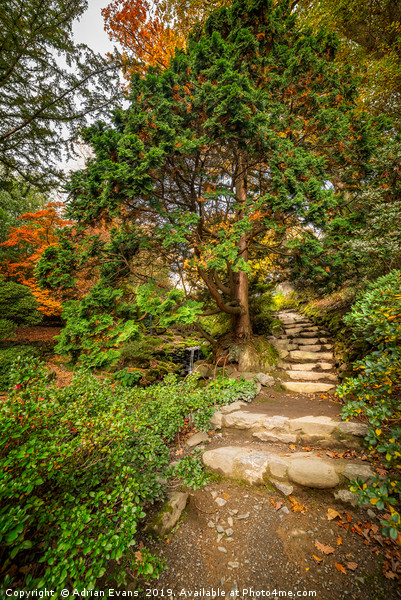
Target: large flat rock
x,y
313,425
315,366
312,375
257,467
302,356
306,387
313,472
282,429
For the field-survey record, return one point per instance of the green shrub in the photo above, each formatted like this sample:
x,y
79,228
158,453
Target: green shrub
x,y
96,328
376,391
8,356
80,465
128,378
17,307
140,352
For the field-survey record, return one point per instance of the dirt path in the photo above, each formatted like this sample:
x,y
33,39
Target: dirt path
x,y
271,547
251,541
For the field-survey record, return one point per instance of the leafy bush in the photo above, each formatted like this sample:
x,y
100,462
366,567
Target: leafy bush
x,y
17,307
96,327
128,378
10,355
376,392
140,352
190,469
79,466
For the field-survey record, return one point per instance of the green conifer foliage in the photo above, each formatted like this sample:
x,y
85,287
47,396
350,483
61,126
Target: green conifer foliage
x,y
237,138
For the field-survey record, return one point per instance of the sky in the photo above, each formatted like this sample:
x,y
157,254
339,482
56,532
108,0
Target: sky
x,y
90,28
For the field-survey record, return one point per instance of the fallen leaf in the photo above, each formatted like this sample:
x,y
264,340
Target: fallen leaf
x,y
296,506
340,568
349,518
272,502
339,541
374,528
226,496
390,575
279,505
138,556
352,565
324,549
317,558
332,514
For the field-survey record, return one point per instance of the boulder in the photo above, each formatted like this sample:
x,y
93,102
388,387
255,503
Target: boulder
x,y
350,428
228,408
241,419
278,468
252,467
197,438
313,425
265,379
222,460
347,497
216,422
313,472
169,515
284,488
204,370
354,470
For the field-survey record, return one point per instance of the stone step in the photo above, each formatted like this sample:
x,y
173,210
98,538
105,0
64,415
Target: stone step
x,y
312,375
283,345
303,334
303,387
303,356
303,430
310,341
313,347
316,366
306,469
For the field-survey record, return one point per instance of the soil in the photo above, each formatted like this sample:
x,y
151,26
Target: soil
x,y
273,548
35,334
273,403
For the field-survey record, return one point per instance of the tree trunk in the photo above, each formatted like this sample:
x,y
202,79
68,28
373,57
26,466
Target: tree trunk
x,y
242,323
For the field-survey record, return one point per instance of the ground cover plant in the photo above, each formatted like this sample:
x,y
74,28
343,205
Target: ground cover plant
x,y
376,392
80,466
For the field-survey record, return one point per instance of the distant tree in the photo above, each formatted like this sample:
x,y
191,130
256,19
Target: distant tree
x,y
371,35
17,197
49,85
29,240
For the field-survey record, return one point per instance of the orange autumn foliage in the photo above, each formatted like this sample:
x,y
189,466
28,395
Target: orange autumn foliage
x,y
37,231
150,31
138,26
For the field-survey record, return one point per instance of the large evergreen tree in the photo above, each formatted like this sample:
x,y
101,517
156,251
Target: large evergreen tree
x,y
237,138
48,86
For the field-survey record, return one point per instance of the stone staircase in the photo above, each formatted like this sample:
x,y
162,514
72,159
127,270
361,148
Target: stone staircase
x,y
285,450
306,354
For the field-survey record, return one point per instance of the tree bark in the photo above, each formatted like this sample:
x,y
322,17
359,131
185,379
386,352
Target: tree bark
x,y
241,322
